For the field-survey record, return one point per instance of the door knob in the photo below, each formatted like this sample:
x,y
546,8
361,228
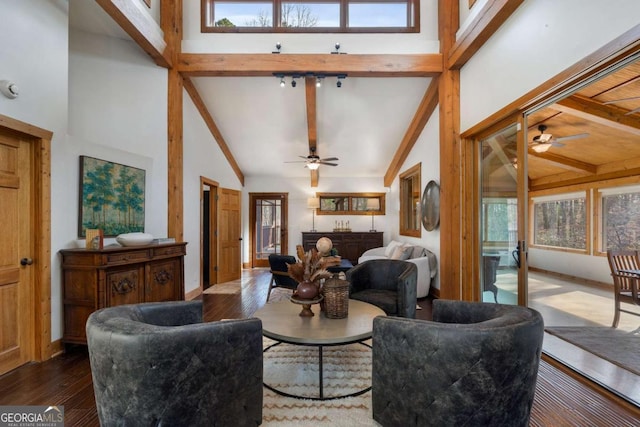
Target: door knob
x,y
26,261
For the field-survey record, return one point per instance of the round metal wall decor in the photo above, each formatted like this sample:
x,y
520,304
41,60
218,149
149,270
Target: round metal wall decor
x,y
430,206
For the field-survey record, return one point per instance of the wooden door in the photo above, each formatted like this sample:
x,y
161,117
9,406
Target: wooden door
x,y
229,256
16,293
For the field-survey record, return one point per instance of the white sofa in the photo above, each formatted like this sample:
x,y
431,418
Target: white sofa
x,y
423,258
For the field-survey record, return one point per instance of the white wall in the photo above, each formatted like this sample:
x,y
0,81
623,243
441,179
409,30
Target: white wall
x,y
424,42
541,39
34,56
427,152
202,157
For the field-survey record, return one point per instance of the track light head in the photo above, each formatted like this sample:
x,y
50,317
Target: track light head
x,y
339,83
293,82
318,81
282,82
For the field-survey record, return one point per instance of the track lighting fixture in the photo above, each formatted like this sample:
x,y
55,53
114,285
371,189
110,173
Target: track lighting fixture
x,y
318,76
278,47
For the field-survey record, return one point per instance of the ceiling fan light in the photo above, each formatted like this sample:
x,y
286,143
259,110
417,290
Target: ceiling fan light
x,y
541,148
313,166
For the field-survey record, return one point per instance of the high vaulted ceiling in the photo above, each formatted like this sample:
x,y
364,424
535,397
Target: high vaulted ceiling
x,y
266,126
370,119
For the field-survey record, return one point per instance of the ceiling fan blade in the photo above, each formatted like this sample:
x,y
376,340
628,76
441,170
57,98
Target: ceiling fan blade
x,y
567,138
632,111
296,161
328,164
621,100
304,157
329,159
556,144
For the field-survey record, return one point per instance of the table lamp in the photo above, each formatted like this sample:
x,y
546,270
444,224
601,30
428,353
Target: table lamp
x,y
373,204
313,203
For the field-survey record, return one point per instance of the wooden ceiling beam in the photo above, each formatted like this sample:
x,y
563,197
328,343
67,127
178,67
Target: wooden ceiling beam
x,y
213,128
141,27
310,89
425,110
312,129
565,162
606,115
492,15
266,64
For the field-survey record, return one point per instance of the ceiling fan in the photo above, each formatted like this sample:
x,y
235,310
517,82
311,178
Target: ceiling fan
x,y
544,141
313,161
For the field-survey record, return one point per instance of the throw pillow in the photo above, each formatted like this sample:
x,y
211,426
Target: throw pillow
x,y
391,247
397,252
406,253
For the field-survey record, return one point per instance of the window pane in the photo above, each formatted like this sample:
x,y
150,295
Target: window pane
x,y
621,221
364,15
334,203
310,14
500,220
236,14
561,223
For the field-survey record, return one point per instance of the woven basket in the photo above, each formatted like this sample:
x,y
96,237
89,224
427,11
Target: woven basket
x,y
336,298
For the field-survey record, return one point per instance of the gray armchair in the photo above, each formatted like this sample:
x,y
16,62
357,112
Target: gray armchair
x,y
157,364
386,283
475,364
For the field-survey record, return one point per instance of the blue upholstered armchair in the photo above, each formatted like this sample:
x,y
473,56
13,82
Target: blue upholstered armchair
x,y
475,364
158,364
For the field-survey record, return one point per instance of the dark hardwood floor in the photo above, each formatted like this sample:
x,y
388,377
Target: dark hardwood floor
x,y
561,399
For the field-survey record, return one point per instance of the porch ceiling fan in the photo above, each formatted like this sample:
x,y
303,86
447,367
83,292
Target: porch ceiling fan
x,y
313,161
544,141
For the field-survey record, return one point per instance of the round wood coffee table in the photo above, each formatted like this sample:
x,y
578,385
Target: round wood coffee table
x,y
281,322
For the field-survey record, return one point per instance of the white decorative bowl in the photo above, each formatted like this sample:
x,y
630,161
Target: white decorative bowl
x,y
134,239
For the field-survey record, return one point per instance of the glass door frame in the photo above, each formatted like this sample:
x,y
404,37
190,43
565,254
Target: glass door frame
x,y
522,205
254,198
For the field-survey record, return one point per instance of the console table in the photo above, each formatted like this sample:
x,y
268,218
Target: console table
x,y
350,245
94,279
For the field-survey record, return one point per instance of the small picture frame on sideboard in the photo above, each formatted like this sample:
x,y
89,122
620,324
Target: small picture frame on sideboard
x,y
94,238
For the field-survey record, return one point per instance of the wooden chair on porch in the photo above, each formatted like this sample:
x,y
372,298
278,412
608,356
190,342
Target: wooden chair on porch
x,y
625,270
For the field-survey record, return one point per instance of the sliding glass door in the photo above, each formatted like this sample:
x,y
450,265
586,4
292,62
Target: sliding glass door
x,y
501,248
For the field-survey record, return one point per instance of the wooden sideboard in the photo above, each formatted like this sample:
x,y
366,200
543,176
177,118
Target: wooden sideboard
x,y
94,279
350,245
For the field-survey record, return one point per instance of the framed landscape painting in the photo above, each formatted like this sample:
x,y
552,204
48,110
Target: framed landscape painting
x,y
111,197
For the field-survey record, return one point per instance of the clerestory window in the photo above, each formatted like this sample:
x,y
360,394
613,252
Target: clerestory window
x,y
300,16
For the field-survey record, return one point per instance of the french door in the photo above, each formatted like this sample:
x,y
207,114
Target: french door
x,y
268,219
502,216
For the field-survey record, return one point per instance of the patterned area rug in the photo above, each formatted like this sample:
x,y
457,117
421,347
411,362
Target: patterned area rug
x,y
294,370
618,347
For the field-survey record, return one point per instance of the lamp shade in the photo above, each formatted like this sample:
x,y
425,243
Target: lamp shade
x,y
313,166
373,204
313,202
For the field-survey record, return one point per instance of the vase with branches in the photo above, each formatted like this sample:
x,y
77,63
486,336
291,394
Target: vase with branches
x,y
309,272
